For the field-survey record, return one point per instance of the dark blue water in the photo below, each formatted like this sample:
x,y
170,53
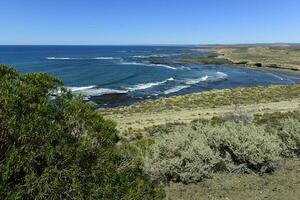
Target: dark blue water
x,y
120,75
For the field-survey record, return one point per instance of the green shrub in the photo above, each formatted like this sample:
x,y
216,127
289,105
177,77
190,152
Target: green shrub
x,y
289,133
191,153
60,148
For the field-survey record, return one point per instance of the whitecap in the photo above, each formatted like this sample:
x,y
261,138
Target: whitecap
x,y
219,76
106,58
176,89
140,56
94,91
276,76
157,55
75,89
197,80
143,86
149,64
68,58
62,58
101,91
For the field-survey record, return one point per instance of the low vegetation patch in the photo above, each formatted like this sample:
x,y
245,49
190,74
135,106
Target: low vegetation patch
x,y
192,153
195,151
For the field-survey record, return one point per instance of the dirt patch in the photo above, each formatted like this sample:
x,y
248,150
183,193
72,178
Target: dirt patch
x,y
283,184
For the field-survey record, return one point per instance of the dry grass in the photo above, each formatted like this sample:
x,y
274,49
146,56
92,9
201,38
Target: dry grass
x,y
134,119
285,57
211,99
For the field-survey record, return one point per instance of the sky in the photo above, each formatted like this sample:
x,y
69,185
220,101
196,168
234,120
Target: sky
x,y
138,22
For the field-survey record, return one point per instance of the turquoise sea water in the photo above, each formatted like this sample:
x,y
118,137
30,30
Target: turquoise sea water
x,y
121,75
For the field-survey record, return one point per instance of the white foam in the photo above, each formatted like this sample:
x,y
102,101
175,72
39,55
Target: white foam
x,y
157,55
219,76
101,91
68,58
197,80
149,64
140,56
55,58
184,68
276,76
176,89
75,89
94,91
106,58
143,86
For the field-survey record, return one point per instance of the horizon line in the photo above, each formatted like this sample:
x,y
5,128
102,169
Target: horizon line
x,y
208,44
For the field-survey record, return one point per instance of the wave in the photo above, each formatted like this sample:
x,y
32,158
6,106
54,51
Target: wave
x,y
143,86
184,68
197,80
219,76
176,89
94,91
158,55
76,89
55,58
107,58
277,76
96,58
149,64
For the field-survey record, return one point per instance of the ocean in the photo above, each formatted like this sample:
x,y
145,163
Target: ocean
x,y
122,75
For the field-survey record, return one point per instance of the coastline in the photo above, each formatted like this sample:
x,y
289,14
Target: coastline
x,y
259,57
134,119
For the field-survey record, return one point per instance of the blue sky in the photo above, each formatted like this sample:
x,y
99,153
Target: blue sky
x,y
148,21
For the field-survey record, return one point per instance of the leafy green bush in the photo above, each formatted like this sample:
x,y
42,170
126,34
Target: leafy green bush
x,y
191,153
289,133
60,148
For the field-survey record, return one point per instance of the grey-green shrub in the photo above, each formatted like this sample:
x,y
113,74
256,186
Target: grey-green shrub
x,y
289,133
246,144
181,156
189,154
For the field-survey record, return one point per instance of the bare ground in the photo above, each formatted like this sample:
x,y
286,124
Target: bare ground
x,y
283,184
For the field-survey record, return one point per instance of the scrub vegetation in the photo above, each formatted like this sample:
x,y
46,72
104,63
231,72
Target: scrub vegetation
x,y
56,146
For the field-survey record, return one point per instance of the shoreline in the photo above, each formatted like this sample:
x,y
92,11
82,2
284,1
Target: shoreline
x,y
266,57
205,105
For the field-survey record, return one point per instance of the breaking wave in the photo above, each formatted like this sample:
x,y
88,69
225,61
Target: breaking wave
x,y
107,58
55,58
143,86
76,89
219,76
158,55
149,64
176,89
94,91
277,76
69,58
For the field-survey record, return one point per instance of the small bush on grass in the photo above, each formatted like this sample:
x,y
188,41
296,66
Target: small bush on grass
x,y
190,154
289,134
245,144
181,156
